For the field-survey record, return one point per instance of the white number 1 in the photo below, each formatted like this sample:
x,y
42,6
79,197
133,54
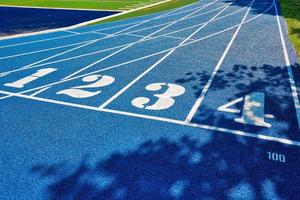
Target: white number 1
x,y
22,82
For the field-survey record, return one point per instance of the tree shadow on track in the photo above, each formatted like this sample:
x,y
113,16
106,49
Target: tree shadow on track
x,y
186,168
273,81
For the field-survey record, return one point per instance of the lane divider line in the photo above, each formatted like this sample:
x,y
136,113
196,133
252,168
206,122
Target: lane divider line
x,y
216,69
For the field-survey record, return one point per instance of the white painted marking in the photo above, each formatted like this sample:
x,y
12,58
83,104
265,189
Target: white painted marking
x,y
254,110
161,119
80,92
39,91
288,64
22,82
164,101
206,87
56,55
226,107
43,50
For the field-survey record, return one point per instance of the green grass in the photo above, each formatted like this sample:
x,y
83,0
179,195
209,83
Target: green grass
x,y
291,12
86,4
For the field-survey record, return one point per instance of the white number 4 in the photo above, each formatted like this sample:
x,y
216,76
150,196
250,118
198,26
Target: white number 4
x,y
253,110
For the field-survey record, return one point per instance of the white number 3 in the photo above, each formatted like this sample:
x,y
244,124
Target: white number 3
x,y
165,100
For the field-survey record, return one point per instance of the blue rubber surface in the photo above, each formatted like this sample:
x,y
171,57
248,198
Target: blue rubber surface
x,y
23,20
200,102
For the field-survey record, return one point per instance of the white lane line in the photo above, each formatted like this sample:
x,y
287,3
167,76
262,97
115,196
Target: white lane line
x,y
120,46
111,27
172,37
289,67
157,63
59,54
142,39
39,91
216,69
99,33
43,50
92,42
163,35
136,35
148,56
160,119
114,34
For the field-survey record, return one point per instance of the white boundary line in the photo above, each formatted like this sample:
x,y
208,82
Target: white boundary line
x,y
288,64
84,23
161,119
154,54
215,71
100,29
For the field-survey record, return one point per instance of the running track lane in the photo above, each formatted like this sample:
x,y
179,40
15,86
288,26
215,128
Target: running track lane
x,y
86,123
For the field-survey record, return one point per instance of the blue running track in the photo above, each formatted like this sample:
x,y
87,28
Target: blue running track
x,y
200,102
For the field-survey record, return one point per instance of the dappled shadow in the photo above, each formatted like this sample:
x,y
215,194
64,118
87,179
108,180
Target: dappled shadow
x,y
240,81
220,168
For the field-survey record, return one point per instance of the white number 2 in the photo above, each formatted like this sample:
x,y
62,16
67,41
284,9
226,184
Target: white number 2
x,y
253,110
165,100
95,81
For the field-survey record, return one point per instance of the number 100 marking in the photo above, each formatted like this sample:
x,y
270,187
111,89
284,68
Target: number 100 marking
x,y
276,157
